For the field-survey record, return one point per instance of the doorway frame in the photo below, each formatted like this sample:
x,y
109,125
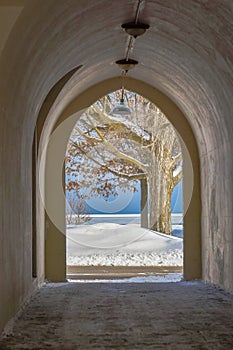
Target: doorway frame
x,y
53,185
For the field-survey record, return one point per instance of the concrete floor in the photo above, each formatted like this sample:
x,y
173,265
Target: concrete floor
x,y
179,316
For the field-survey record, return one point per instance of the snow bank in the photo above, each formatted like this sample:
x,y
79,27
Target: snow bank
x,y
171,277
122,245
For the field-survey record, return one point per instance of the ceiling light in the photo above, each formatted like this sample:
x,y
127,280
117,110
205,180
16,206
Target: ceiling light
x,y
135,29
121,109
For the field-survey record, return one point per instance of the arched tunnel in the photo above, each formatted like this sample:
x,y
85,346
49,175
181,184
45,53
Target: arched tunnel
x,y
56,58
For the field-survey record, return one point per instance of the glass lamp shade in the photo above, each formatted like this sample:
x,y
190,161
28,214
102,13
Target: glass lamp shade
x,y
121,109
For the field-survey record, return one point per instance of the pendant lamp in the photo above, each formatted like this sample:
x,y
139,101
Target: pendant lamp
x,y
121,109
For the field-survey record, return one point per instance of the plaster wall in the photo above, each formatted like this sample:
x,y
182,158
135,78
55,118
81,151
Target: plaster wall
x,y
187,54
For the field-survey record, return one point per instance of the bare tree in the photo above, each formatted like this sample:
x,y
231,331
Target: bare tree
x,y
76,211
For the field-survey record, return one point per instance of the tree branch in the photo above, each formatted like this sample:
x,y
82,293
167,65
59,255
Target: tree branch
x,y
129,177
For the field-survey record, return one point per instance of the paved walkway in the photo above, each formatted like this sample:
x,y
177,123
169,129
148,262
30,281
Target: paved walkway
x,y
174,316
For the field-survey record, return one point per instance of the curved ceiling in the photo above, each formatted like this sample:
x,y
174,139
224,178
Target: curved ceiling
x,y
187,53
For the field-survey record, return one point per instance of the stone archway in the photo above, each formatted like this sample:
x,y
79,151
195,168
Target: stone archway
x,y
52,164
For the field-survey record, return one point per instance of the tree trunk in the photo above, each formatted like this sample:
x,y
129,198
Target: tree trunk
x,y
164,221
144,203
160,205
154,195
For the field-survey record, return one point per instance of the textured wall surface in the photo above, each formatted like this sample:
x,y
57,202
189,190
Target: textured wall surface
x,y
187,54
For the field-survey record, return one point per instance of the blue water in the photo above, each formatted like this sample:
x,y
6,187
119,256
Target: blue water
x,y
129,203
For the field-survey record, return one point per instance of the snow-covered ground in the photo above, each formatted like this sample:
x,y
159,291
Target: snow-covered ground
x,y
121,245
171,277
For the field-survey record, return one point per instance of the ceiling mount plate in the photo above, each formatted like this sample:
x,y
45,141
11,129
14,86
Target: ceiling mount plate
x,y
126,64
135,29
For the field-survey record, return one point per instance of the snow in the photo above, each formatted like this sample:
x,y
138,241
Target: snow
x,y
171,277
112,244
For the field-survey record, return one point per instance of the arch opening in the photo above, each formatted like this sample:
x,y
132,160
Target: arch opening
x,y
55,251
114,163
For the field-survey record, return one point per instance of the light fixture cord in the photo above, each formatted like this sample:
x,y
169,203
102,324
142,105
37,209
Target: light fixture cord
x,y
123,84
138,10
131,40
129,48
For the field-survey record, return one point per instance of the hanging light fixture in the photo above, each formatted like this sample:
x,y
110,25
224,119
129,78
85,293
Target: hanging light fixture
x,y
121,109
133,29
136,28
